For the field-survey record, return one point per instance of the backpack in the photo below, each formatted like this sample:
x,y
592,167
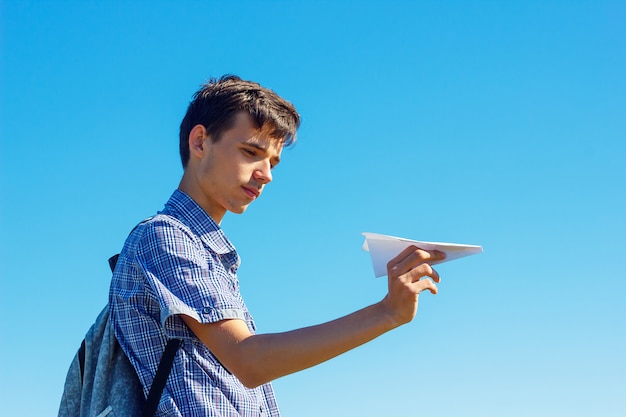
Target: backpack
x,y
102,382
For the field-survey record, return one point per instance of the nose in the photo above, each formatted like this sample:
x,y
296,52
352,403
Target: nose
x,y
263,173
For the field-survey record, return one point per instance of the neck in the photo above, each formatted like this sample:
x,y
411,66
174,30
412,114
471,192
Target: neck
x,y
192,189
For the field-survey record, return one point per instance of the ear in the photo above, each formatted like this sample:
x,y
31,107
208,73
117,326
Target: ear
x,y
197,142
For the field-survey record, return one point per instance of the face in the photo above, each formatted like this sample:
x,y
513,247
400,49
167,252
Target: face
x,y
230,174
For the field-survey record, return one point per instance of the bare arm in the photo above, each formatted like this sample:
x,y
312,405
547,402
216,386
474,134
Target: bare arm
x,y
257,359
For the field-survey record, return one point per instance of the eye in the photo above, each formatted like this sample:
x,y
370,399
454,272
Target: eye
x,y
249,152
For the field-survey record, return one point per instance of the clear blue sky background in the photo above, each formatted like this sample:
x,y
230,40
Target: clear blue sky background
x,y
501,124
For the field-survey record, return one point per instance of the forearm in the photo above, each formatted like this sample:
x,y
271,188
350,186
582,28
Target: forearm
x,y
268,356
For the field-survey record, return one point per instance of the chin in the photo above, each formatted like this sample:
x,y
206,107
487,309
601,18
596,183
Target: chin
x,y
238,210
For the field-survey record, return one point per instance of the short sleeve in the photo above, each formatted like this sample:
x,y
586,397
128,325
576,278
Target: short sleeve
x,y
186,277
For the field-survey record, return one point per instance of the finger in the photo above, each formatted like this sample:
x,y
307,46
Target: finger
x,y
434,255
424,270
423,285
404,261
410,257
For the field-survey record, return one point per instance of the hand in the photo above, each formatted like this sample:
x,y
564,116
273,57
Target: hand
x,y
405,283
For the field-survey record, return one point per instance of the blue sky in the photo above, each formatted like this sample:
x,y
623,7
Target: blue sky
x,y
500,124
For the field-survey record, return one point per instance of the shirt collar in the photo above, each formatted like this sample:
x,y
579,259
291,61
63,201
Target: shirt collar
x,y
198,220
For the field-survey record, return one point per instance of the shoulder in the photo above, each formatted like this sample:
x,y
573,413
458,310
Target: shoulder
x,y
165,236
164,227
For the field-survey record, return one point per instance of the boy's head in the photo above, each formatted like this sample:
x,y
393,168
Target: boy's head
x,y
216,104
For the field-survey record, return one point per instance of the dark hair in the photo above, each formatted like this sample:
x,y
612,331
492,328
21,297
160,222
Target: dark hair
x,y
218,101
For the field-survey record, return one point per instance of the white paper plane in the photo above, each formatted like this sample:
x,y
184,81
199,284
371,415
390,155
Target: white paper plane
x,y
383,248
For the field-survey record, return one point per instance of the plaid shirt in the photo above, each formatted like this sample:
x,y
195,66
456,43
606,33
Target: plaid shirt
x,y
180,262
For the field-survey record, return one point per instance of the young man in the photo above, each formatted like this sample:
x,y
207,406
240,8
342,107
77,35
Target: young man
x,y
176,275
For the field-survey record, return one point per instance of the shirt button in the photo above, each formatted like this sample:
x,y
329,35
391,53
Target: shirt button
x,y
206,310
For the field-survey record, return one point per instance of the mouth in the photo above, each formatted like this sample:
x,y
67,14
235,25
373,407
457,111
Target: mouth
x,y
253,193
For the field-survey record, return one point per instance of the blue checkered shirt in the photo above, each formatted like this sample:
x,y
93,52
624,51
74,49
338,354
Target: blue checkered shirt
x,y
180,262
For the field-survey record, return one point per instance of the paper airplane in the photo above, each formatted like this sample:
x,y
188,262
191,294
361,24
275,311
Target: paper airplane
x,y
383,248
